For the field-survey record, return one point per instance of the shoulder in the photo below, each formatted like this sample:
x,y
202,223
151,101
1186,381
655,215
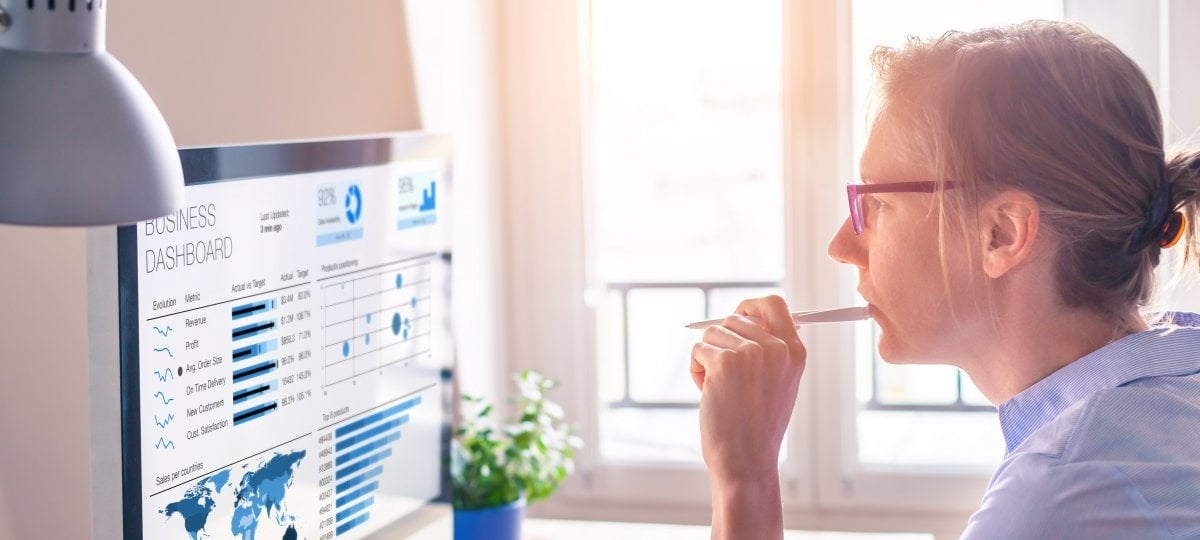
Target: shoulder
x,y
1156,420
1152,419
1123,463
1043,496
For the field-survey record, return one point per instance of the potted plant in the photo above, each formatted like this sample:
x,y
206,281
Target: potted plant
x,y
495,471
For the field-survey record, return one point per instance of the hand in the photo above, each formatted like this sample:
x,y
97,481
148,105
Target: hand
x,y
747,369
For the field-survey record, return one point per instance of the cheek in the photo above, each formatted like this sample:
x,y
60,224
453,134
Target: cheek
x,y
909,289
907,269
935,314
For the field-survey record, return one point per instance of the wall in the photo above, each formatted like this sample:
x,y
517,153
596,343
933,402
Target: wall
x,y
44,473
222,72
228,71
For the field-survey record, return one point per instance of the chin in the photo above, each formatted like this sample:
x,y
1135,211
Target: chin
x,y
895,353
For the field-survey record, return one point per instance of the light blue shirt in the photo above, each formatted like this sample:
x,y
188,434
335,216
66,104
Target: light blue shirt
x,y
1106,447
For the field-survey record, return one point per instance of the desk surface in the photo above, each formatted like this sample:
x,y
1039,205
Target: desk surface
x,y
557,529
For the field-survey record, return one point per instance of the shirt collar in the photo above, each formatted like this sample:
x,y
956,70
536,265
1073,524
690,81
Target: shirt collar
x,y
1167,351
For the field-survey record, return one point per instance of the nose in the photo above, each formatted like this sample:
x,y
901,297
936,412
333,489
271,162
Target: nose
x,y
847,247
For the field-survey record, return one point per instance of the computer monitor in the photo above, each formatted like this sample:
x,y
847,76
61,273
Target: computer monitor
x,y
282,343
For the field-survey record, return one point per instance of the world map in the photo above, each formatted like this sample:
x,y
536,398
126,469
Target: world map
x,y
260,492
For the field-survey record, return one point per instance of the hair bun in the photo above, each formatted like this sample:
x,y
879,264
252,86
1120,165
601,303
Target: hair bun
x,y
1183,168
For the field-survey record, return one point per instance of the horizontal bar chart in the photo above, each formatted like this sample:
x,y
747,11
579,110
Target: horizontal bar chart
x,y
254,413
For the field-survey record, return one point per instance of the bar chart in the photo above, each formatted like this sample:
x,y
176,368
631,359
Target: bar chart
x,y
360,450
269,342
255,371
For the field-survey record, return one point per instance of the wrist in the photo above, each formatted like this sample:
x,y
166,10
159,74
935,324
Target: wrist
x,y
747,508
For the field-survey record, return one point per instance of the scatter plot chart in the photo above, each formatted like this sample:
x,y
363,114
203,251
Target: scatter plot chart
x,y
376,318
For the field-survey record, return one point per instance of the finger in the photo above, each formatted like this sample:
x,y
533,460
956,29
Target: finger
x,y
703,356
746,328
774,311
723,337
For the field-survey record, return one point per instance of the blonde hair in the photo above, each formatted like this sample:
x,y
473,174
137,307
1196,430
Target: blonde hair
x,y
1059,112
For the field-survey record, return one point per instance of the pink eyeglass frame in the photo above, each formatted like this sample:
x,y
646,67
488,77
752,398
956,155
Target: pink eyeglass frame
x,y
854,193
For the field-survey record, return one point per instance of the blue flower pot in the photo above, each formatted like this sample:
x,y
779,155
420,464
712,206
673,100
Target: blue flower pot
x,y
496,523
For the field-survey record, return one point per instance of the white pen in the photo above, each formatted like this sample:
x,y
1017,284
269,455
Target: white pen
x,y
856,313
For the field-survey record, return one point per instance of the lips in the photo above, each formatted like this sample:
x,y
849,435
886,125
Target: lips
x,y
871,309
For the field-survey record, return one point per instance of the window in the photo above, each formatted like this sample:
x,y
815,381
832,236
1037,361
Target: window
x,y
662,141
684,137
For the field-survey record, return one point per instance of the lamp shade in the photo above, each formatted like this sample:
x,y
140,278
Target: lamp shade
x,y
81,142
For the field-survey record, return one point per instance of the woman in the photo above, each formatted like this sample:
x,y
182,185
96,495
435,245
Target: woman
x,y
1016,201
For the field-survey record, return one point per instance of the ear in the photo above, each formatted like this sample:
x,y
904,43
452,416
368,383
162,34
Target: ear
x,y
1008,228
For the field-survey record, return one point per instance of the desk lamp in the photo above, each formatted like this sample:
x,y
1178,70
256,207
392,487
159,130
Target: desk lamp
x,y
81,142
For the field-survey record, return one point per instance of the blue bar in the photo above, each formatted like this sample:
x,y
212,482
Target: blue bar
x,y
429,198
250,351
353,523
249,392
364,463
255,371
253,308
358,507
361,422
338,237
258,411
253,329
366,448
370,433
419,221
358,479
341,501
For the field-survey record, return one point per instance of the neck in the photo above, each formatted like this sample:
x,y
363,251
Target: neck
x,y
1032,339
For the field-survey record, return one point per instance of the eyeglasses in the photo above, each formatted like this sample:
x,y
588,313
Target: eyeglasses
x,y
855,192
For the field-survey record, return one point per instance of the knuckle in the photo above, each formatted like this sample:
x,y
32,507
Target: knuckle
x,y
797,350
750,348
777,347
711,333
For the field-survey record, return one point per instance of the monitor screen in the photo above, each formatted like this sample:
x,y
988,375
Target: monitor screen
x,y
282,344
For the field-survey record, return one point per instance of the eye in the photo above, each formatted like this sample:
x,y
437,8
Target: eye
x,y
871,205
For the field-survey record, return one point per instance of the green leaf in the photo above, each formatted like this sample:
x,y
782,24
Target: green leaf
x,y
529,456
